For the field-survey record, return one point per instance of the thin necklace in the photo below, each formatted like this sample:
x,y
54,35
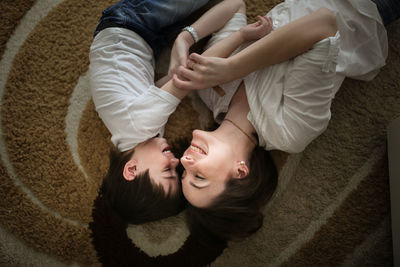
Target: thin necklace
x,y
240,129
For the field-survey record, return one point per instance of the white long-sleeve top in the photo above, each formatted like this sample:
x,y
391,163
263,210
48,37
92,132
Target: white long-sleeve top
x,y
290,102
122,84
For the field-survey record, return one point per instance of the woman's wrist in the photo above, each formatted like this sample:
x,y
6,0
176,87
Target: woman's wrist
x,y
234,68
242,36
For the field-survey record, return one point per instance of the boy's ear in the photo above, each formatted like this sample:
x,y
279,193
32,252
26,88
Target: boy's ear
x,y
241,170
130,170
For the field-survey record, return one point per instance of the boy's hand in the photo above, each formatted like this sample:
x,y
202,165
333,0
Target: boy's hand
x,y
180,52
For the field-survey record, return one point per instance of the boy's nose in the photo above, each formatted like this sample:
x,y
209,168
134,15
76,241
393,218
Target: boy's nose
x,y
174,162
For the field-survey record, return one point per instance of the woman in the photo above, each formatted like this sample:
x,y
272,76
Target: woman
x,y
278,106
142,184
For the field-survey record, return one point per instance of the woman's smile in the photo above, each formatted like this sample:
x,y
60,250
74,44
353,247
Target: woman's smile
x,y
197,149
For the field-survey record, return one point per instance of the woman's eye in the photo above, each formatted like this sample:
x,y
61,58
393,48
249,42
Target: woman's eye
x,y
167,169
199,178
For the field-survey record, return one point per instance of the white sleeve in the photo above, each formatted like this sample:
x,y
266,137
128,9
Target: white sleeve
x,y
150,112
123,91
309,89
290,119
135,120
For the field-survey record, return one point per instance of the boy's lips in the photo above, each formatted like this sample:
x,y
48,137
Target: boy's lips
x,y
165,148
167,151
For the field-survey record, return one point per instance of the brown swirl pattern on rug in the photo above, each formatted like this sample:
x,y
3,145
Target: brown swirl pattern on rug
x,y
11,14
331,207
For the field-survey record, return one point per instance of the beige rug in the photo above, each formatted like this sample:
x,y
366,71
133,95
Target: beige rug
x,y
331,208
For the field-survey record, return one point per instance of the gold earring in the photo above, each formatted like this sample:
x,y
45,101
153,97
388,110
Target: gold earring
x,y
242,163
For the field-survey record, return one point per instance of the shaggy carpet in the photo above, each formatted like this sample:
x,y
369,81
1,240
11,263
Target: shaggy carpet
x,y
332,205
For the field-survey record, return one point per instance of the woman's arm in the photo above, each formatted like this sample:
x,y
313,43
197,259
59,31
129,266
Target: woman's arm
x,y
225,47
211,21
280,45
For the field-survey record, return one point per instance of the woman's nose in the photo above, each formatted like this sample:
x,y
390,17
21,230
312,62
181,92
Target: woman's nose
x,y
197,133
187,161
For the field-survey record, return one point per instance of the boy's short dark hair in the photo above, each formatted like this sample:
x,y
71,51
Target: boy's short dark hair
x,y
140,200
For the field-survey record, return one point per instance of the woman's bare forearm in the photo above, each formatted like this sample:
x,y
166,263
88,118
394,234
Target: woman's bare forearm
x,y
278,46
285,43
225,47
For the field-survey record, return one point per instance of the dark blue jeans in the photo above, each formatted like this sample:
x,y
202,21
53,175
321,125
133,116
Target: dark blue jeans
x,y
156,21
389,10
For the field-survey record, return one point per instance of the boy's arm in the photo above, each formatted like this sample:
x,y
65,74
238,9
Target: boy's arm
x,y
173,90
211,21
224,48
251,32
280,45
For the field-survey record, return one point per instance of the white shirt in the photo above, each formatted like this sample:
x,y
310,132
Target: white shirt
x,y
290,102
122,83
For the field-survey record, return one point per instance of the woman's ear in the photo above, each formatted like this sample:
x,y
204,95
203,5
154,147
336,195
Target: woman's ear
x,y
130,170
241,170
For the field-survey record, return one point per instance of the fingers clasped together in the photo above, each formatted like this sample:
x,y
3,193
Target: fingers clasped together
x,y
200,72
191,64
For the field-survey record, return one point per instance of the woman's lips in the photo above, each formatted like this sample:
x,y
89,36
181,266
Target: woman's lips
x,y
197,149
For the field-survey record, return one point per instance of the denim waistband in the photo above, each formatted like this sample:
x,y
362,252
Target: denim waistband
x,y
156,21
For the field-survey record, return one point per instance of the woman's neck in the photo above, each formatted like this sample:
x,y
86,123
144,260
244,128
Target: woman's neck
x,y
236,128
238,110
240,143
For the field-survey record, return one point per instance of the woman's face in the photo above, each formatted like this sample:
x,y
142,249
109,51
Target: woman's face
x,y
208,163
155,155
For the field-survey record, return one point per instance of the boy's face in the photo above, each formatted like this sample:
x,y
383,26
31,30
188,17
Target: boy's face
x,y
155,155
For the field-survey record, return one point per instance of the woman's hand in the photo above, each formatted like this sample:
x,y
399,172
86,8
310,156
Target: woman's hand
x,y
203,72
257,30
180,52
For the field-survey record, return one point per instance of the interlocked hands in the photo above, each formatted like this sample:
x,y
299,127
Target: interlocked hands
x,y
195,72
